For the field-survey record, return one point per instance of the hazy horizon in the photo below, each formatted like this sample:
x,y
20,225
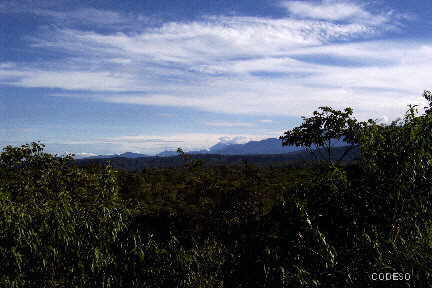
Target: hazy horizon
x,y
224,140
108,77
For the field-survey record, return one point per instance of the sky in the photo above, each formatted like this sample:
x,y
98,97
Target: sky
x,y
104,76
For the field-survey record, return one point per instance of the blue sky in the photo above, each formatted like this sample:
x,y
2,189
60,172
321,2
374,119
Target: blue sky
x,y
101,77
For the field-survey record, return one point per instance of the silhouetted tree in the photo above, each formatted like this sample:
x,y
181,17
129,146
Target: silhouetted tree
x,y
324,126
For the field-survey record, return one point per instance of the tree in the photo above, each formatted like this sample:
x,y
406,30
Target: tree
x,y
428,96
29,175
189,162
323,127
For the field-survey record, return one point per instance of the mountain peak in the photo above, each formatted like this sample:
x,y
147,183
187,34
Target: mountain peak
x,y
224,147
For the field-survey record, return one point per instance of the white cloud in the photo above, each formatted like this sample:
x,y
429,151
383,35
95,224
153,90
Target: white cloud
x,y
197,42
152,144
236,65
266,121
70,80
121,60
168,115
236,139
334,11
7,65
157,143
269,64
370,92
82,155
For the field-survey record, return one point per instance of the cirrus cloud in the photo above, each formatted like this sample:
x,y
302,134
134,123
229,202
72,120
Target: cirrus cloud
x,y
333,10
236,65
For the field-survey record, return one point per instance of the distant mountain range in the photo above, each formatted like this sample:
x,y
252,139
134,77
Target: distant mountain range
x,y
130,155
264,147
293,159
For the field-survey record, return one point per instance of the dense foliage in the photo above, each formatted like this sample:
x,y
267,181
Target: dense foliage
x,y
321,225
